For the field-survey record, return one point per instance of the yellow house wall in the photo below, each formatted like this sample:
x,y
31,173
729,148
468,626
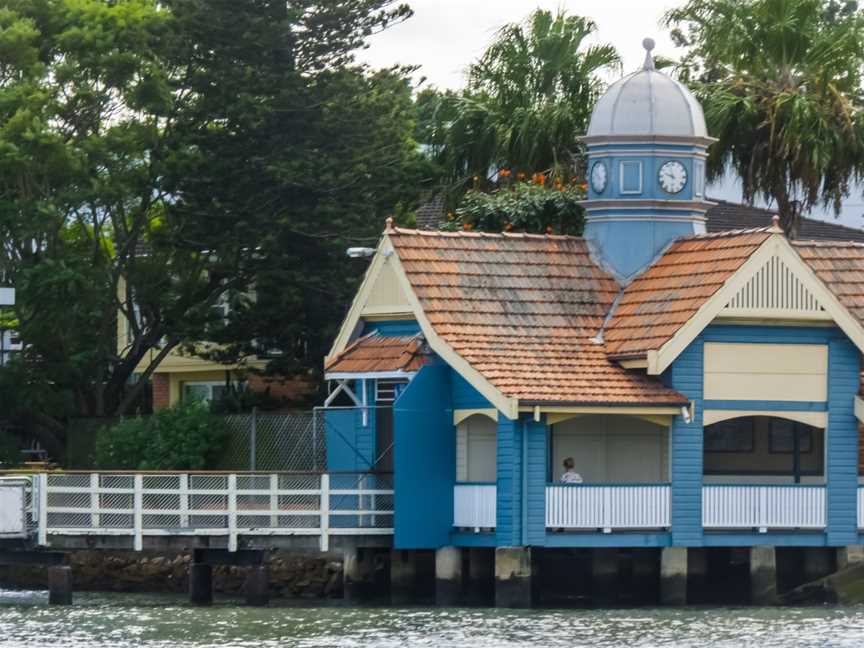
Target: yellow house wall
x,y
773,372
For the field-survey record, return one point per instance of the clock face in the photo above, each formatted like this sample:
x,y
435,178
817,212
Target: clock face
x,y
598,177
672,177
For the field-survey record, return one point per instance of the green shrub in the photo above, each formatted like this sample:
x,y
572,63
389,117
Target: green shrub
x,y
184,437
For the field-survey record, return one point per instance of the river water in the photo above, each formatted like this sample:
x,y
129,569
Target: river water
x,y
148,621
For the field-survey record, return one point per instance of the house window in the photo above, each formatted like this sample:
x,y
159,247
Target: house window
x,y
698,178
631,177
203,391
387,391
734,435
476,449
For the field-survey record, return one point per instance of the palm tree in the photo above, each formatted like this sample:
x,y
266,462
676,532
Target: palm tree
x,y
780,83
527,99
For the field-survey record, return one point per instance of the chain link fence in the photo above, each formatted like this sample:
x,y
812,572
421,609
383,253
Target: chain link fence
x,y
293,441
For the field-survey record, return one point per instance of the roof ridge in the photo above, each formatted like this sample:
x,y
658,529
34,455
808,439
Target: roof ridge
x,y
823,243
726,233
483,234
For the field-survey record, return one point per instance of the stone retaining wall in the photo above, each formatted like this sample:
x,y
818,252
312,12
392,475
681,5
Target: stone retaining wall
x,y
292,575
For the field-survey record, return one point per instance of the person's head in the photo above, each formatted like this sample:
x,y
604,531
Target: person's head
x,y
569,464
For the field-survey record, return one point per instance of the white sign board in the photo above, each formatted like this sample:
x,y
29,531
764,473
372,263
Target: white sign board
x,y
12,516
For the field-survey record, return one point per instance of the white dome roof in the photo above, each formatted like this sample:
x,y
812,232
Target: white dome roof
x,y
647,103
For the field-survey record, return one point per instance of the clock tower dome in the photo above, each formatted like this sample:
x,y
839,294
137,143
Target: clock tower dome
x,y
647,144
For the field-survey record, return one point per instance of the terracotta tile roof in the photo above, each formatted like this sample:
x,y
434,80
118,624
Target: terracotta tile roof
x,y
522,310
658,302
373,353
841,267
725,216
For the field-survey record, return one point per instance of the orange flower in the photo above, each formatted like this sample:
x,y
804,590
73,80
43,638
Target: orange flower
x,y
504,173
520,176
508,227
466,226
583,186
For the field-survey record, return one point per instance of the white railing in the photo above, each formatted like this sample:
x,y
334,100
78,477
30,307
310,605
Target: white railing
x,y
474,506
861,507
763,507
213,504
608,507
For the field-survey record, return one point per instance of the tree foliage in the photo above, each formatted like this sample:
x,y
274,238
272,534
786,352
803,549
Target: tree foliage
x,y
158,158
184,437
780,83
527,100
522,205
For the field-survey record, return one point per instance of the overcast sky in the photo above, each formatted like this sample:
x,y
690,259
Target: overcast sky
x,y
444,36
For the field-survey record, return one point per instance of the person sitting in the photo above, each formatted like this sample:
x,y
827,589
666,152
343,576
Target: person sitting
x,y
570,475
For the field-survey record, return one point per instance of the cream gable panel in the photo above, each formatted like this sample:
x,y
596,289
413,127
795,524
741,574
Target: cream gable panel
x,y
386,295
775,290
775,372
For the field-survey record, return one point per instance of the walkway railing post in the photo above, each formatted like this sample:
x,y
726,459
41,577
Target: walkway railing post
x,y
274,501
324,507
184,501
94,501
42,485
232,512
253,440
138,512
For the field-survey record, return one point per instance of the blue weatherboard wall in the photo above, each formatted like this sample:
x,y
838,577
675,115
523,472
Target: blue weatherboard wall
x,y
686,376
537,471
508,531
350,445
424,461
465,396
843,383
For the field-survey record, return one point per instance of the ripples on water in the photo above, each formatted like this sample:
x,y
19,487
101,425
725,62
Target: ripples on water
x,y
146,621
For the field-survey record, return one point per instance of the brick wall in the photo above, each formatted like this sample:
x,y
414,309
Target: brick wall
x,y
161,391
289,389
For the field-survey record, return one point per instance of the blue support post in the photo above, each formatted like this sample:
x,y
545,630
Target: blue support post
x,y
686,376
842,437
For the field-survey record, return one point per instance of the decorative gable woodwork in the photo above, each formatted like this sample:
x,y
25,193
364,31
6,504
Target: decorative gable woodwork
x,y
775,291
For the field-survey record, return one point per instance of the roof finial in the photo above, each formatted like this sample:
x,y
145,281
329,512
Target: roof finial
x,y
648,44
775,225
388,224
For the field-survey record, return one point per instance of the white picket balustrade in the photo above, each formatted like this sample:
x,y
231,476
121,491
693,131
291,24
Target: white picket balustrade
x,y
474,506
608,507
213,504
763,507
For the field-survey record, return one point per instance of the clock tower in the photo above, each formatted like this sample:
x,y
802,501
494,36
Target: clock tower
x,y
647,145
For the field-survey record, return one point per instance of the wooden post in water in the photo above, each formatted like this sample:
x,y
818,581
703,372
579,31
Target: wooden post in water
x,y
200,583
60,585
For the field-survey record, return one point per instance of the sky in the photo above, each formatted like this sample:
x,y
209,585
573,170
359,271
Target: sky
x,y
444,36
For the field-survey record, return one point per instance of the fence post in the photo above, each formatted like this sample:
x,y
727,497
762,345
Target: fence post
x,y
324,506
94,501
184,501
42,482
253,439
274,501
232,512
138,512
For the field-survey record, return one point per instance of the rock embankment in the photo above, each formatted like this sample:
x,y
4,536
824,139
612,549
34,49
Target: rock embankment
x,y
291,575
